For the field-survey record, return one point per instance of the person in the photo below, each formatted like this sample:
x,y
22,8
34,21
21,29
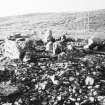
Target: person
x,y
60,45
57,48
63,38
49,41
49,46
48,37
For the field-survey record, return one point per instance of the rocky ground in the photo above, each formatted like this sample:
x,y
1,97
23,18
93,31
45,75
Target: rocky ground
x,y
76,79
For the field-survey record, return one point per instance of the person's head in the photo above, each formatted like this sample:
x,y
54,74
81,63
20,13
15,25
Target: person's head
x,y
27,57
63,38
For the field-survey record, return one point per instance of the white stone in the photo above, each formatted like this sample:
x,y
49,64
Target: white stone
x,y
91,99
89,80
7,103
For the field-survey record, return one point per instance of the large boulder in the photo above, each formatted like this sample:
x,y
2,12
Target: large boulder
x,y
6,89
11,50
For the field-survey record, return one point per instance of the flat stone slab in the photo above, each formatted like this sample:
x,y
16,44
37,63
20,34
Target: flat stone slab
x,y
7,89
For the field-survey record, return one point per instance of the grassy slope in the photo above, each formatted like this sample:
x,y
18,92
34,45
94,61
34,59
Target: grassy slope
x,y
76,24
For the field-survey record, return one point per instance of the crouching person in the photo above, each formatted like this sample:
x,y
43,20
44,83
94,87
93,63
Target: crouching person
x,y
30,57
62,56
57,48
49,46
28,53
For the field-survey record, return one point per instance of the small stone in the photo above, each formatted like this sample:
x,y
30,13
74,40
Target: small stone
x,y
95,93
59,98
89,80
2,68
71,79
91,99
33,80
16,103
76,103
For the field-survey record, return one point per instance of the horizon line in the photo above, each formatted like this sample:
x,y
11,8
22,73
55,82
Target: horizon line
x,y
55,12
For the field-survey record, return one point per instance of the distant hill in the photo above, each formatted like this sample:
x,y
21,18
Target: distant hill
x,y
76,24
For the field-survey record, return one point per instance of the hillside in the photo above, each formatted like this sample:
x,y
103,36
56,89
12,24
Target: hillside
x,y
70,75
83,23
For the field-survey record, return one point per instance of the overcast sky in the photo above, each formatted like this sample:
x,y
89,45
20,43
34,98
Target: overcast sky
x,y
18,7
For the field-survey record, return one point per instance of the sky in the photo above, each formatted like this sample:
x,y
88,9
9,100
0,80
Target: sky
x,y
19,7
